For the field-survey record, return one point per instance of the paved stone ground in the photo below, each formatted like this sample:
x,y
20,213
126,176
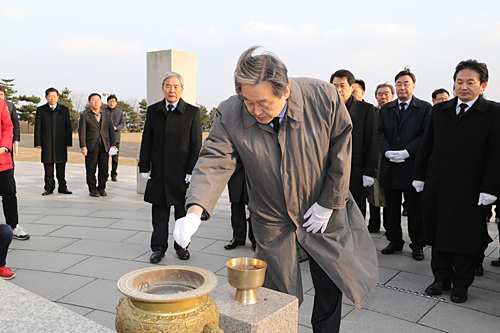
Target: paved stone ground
x,y
80,246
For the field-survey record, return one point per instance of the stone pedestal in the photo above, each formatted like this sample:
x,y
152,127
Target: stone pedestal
x,y
274,312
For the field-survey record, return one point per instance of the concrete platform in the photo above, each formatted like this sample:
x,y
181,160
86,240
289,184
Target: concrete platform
x,y
80,246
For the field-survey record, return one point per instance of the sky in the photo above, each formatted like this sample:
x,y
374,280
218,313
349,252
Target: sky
x,y
100,46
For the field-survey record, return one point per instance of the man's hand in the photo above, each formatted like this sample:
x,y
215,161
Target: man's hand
x,y
318,218
113,151
486,199
418,185
84,151
185,228
187,179
397,156
114,127
146,175
39,147
368,181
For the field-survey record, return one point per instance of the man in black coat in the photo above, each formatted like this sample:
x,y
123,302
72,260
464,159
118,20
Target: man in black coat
x,y
118,120
457,169
170,145
364,138
97,136
53,135
401,124
15,121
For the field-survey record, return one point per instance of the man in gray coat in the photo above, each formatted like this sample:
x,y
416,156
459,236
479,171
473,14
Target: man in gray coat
x,y
294,139
118,121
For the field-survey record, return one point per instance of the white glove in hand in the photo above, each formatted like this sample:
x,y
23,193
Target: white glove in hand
x,y
185,228
318,218
397,156
113,151
146,175
187,179
486,199
368,181
418,185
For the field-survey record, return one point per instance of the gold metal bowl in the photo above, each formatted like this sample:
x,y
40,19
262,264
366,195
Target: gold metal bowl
x,y
246,275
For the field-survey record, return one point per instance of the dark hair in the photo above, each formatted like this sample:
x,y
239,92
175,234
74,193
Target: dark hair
x,y
3,89
436,92
51,89
361,83
406,71
473,64
384,85
94,94
341,73
111,97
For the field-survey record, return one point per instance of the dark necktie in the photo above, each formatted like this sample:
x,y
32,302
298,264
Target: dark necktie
x,y
462,106
170,107
276,124
402,110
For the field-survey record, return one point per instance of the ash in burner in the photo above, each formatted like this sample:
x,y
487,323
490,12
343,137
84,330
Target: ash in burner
x,y
246,268
166,289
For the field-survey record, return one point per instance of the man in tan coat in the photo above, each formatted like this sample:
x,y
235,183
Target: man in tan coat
x,y
294,139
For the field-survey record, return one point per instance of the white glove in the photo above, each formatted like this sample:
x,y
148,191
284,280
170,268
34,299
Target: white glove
x,y
486,199
418,185
113,151
185,228
368,181
187,179
146,175
397,156
318,218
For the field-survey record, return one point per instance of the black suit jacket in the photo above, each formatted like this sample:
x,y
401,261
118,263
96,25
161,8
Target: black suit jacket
x,y
90,132
15,120
53,133
170,145
399,134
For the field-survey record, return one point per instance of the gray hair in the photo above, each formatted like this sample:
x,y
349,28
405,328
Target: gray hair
x,y
384,85
267,67
172,74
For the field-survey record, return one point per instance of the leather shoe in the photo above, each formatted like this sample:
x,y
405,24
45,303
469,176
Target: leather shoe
x,y
103,193
479,271
183,254
458,295
46,193
392,247
254,246
373,228
233,244
64,191
496,262
94,193
437,288
114,179
418,255
156,257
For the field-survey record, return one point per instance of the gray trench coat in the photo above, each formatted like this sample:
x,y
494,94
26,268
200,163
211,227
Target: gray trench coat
x,y
308,161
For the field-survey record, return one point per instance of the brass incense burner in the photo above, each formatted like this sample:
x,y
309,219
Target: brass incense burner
x,y
167,299
246,275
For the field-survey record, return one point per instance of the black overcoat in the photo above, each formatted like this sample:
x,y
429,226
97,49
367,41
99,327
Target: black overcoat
x,y
364,145
459,158
53,133
170,145
91,132
399,134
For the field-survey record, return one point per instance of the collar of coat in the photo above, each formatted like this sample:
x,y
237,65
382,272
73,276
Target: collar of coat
x,y
479,105
181,106
415,102
295,107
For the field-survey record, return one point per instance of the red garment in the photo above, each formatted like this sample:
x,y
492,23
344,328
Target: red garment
x,y
6,132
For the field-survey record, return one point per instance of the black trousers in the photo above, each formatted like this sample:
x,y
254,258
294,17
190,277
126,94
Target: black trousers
x,y
239,223
375,216
453,267
9,199
161,216
50,183
327,306
360,193
114,161
92,161
392,221
5,239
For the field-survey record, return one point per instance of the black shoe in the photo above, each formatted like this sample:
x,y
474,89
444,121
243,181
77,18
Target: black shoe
x,y
156,257
405,213
479,271
114,179
418,255
47,193
437,288
183,254
254,246
496,262
234,244
392,247
458,295
373,228
64,191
